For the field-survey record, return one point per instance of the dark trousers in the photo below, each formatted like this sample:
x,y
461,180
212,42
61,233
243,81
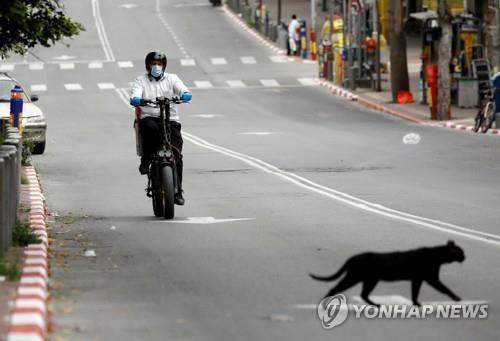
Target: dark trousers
x,y
150,128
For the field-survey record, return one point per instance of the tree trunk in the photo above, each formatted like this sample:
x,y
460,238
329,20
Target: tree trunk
x,y
397,42
444,58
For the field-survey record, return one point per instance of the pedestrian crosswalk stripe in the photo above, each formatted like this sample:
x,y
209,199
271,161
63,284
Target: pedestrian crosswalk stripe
x,y
67,66
95,65
248,60
236,84
203,84
7,67
36,66
308,81
73,86
218,61
125,64
106,86
188,62
38,87
278,59
269,82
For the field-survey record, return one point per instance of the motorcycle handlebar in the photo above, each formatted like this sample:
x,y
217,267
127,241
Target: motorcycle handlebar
x,y
165,100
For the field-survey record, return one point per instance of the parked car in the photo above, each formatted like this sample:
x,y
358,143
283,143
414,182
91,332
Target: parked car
x,y
33,120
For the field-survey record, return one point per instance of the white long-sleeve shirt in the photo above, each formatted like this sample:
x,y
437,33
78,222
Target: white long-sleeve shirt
x,y
292,29
149,88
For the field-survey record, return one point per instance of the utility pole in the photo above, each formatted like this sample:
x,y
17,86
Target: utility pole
x,y
313,15
444,57
279,12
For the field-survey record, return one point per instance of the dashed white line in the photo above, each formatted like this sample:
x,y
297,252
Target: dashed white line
x,y
188,62
269,82
38,87
218,61
125,64
308,81
278,59
106,86
36,66
236,84
203,84
248,60
95,65
67,66
73,86
7,67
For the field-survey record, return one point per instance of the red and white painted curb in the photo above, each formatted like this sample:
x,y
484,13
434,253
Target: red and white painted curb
x,y
28,318
492,131
338,90
240,22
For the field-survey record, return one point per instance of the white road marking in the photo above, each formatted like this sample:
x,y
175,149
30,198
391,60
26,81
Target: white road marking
x,y
38,87
7,67
66,66
63,57
308,81
205,115
188,62
125,64
248,60
167,26
127,6
106,86
95,65
203,84
96,12
73,86
36,66
218,61
259,133
350,200
236,84
278,59
202,220
269,82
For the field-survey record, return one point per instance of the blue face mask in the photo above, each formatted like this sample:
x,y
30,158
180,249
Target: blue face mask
x,y
156,70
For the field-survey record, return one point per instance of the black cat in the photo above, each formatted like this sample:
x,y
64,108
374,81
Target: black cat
x,y
417,266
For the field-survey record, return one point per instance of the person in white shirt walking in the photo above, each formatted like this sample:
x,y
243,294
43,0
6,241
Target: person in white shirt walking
x,y
293,36
148,86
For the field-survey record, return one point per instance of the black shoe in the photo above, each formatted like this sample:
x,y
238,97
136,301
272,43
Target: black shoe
x,y
179,199
144,168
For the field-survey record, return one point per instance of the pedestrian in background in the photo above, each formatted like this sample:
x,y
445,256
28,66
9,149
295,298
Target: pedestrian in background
x,y
293,35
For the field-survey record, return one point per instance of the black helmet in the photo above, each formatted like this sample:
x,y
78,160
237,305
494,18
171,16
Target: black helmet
x,y
155,55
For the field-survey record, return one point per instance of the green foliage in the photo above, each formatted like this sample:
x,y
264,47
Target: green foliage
x,y
27,23
24,180
23,235
10,270
28,146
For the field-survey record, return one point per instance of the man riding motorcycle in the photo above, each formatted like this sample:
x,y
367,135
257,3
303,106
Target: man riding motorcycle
x,y
150,85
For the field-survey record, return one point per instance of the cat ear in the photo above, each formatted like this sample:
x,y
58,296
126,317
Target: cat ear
x,y
450,243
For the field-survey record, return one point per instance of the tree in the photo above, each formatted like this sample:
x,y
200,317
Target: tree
x,y
27,23
444,57
397,41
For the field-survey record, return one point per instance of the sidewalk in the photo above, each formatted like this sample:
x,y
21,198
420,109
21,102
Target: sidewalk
x,y
461,118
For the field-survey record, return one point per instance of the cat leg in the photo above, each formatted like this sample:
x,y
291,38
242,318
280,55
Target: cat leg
x,y
439,286
368,287
415,289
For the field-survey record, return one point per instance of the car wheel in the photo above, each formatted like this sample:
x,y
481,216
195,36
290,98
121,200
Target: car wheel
x,y
39,148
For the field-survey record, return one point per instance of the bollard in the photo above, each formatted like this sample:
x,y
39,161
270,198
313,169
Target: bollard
x,y
15,141
16,107
312,44
12,186
303,40
328,63
3,200
7,220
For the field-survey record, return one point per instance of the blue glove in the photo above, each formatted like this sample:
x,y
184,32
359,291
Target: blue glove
x,y
186,97
135,101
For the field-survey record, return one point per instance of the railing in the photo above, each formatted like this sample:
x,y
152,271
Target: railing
x,y
10,182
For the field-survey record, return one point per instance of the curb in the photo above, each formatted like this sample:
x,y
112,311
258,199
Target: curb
x,y
340,91
240,22
28,318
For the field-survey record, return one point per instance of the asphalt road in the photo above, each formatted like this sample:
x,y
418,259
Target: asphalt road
x,y
295,180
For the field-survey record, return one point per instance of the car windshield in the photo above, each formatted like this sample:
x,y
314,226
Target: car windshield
x,y
5,87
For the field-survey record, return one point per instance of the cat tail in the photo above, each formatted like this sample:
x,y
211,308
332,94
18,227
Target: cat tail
x,y
332,277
